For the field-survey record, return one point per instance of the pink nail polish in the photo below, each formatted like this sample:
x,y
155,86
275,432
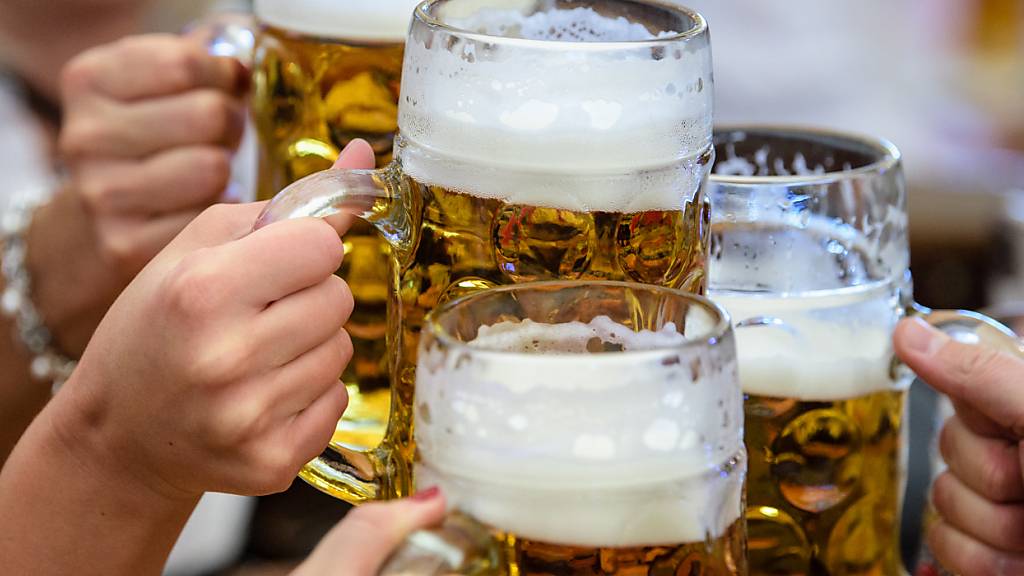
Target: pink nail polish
x,y
426,494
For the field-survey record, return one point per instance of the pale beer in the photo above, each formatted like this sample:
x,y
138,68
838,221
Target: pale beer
x,y
518,160
327,73
824,410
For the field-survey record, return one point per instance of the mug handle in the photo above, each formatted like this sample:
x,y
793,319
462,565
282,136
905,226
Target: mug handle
x,y
380,198
971,328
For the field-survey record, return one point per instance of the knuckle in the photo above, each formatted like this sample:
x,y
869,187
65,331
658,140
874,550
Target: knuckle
x,y
281,467
940,493
97,193
211,114
1010,527
973,363
998,478
224,365
329,250
181,63
80,135
119,248
194,289
79,74
214,167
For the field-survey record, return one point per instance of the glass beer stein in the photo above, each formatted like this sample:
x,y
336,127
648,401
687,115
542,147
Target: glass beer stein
x,y
538,139
579,428
810,257
325,73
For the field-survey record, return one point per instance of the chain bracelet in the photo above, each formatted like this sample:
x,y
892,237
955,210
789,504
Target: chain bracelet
x,y
47,365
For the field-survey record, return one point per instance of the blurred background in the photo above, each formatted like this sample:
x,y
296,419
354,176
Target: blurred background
x,y
942,79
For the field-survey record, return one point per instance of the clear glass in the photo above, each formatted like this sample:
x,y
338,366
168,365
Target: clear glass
x,y
324,74
810,257
538,140
580,427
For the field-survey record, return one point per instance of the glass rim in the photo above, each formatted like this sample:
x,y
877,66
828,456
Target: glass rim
x,y
697,29
888,155
721,322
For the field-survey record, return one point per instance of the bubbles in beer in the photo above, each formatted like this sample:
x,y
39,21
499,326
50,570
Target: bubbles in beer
x,y
776,543
864,538
532,243
816,460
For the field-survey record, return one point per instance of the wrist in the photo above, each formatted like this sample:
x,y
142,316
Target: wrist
x,y
72,286
83,429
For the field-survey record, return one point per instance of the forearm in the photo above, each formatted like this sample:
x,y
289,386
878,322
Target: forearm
x,y
67,507
71,289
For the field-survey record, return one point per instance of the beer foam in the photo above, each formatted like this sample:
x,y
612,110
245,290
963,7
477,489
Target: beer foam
x,y
617,448
368,21
824,346
558,116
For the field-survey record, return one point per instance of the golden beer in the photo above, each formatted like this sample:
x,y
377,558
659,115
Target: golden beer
x,y
718,556
516,160
325,75
824,404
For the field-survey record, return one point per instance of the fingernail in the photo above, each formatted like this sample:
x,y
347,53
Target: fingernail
x,y
427,494
243,78
922,338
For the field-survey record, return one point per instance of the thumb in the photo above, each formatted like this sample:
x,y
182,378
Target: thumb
x,y
980,378
370,533
357,155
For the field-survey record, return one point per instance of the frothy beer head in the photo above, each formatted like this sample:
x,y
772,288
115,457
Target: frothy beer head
x,y
815,314
365,20
588,434
598,108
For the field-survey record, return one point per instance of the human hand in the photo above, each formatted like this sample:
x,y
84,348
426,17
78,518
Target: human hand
x,y
980,498
217,368
361,543
150,124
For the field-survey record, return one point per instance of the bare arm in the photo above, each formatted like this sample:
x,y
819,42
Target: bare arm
x,y
72,289
71,509
150,123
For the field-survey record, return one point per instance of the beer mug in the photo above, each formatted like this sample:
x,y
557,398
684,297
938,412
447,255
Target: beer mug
x,y
810,257
325,73
537,140
579,428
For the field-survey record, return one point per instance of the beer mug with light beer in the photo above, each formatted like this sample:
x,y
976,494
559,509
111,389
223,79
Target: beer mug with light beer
x,y
325,73
810,257
579,428
538,139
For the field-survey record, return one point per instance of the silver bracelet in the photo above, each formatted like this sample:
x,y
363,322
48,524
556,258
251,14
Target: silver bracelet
x,y
48,365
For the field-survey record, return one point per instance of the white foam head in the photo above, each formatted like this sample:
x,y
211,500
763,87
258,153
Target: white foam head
x,y
815,315
567,109
362,20
540,437
831,346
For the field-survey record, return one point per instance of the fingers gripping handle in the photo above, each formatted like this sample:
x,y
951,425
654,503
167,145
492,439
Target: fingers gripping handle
x,y
338,196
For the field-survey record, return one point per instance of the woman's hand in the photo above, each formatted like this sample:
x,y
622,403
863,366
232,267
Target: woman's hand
x,y
150,125
215,370
361,543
